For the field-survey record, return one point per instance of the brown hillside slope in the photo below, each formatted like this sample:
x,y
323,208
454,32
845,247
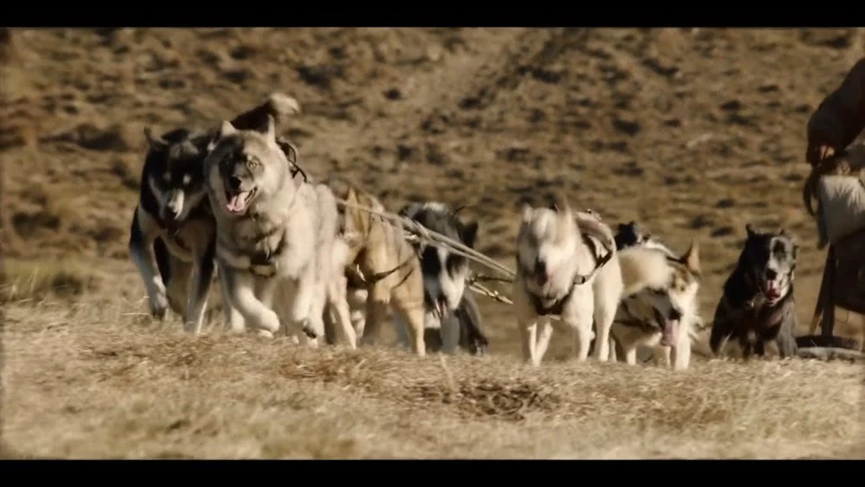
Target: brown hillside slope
x,y
692,131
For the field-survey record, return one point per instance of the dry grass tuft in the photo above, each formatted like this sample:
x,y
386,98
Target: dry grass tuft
x,y
36,281
506,401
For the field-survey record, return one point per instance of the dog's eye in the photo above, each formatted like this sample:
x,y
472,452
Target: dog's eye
x,y
253,162
187,179
166,177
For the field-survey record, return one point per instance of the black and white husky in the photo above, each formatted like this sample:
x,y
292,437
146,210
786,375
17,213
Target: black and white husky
x,y
173,212
445,274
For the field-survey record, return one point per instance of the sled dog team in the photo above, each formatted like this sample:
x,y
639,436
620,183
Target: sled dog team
x,y
234,204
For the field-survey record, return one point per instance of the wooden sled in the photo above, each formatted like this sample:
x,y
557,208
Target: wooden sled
x,y
843,285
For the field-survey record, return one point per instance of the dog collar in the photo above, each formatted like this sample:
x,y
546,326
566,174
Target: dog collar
x,y
556,304
555,307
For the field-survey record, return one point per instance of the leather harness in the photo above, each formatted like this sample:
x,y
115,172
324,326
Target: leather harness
x,y
557,304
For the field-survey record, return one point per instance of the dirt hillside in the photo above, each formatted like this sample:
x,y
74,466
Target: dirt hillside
x,y
692,132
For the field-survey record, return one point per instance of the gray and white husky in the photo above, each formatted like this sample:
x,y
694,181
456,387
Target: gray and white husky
x,y
567,265
276,238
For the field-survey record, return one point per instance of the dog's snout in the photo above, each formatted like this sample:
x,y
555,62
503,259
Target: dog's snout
x,y
540,267
771,274
234,183
675,315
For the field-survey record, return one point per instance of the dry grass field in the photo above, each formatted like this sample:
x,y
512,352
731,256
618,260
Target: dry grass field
x,y
693,132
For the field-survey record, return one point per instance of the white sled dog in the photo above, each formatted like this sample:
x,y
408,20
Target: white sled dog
x,y
275,235
567,265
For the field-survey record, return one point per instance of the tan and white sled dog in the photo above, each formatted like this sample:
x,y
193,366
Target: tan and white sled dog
x,y
275,235
567,265
659,306
383,263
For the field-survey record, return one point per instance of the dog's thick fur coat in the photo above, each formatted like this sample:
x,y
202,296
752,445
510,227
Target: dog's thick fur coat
x,y
659,302
381,262
567,265
172,209
445,274
275,237
173,225
758,305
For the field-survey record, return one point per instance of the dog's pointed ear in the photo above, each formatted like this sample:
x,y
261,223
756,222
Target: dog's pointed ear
x,y
691,257
557,202
270,128
469,233
225,129
527,211
749,229
154,141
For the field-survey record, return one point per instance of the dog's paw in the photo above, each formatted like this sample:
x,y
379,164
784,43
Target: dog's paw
x,y
270,322
479,347
309,332
263,334
159,307
159,313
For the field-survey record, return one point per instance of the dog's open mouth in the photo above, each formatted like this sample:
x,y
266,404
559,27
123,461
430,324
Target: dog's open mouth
x,y
772,290
541,278
237,203
669,330
441,308
670,335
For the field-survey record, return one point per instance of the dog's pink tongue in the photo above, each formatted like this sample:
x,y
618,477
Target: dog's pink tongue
x,y
237,203
671,331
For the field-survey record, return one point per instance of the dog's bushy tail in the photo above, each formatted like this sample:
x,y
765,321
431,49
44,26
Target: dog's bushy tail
x,y
278,105
591,225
